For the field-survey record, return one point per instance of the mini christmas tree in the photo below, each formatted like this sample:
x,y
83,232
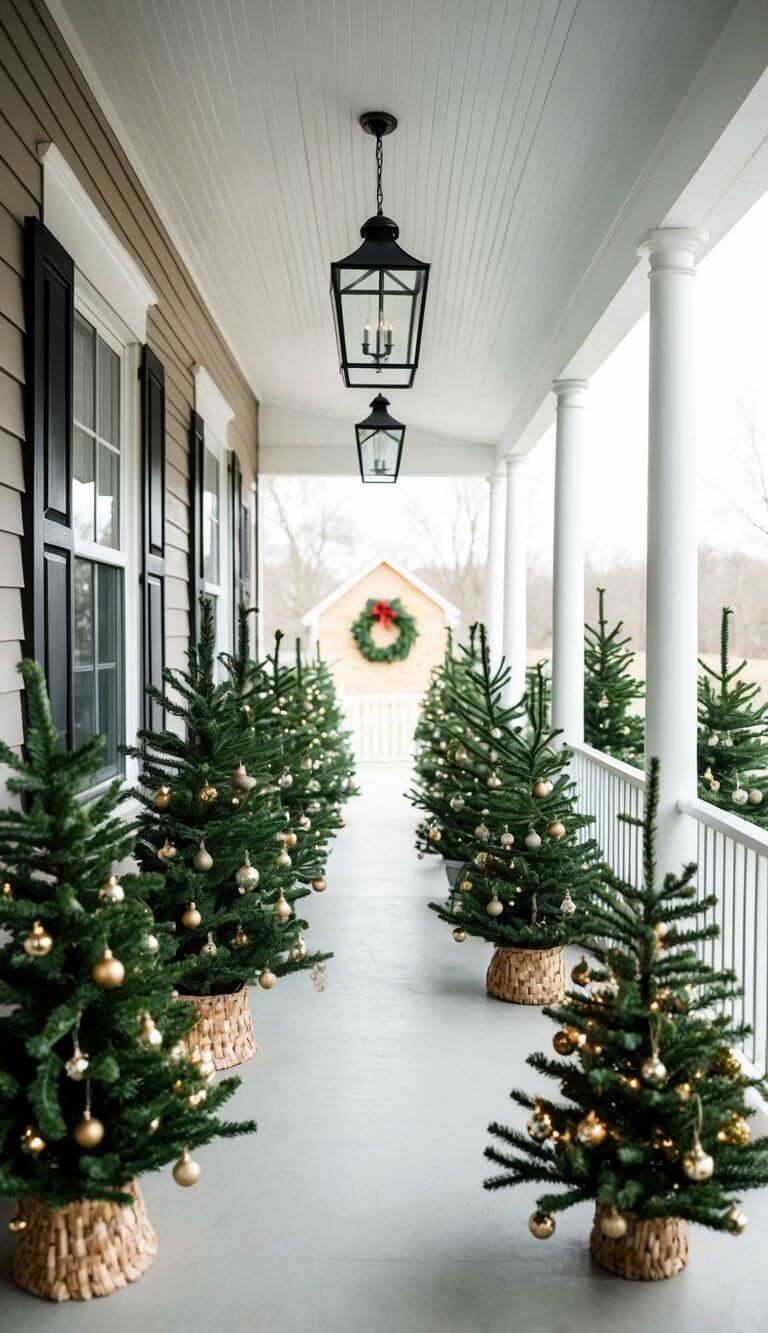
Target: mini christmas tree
x,y
531,870
652,1123
733,737
215,830
440,735
611,690
95,1087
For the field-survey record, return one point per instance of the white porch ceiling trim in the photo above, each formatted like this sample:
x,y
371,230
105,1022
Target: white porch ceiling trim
x,y
298,444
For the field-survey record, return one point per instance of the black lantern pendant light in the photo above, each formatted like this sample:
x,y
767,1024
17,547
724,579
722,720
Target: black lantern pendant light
x,y
378,294
379,443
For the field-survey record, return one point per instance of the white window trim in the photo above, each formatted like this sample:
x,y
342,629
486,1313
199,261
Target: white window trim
x,y
97,311
217,414
69,212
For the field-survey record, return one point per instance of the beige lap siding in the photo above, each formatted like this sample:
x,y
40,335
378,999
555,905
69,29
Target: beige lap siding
x,y
43,97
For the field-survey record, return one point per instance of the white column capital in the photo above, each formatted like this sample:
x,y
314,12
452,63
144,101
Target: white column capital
x,y
570,393
673,249
496,480
514,463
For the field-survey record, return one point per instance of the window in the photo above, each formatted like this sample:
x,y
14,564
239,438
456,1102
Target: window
x,y
101,503
217,537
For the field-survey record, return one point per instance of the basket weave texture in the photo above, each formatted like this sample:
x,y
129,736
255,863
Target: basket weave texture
x,y
224,1027
88,1248
527,976
652,1249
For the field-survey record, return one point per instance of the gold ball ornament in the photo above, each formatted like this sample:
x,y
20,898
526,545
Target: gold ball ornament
x,y
240,939
267,978
493,781
202,859
562,1043
434,835
283,908
149,1032
457,802
111,891
191,917
736,1221
283,860
507,839
697,1164
88,1132
567,906
580,973
739,796
247,876
108,972
466,886
755,798
556,829
591,1131
736,1132
613,1225
320,884
153,1125
541,1225
495,907
18,1224
32,1142
38,942
482,831
285,781
289,839
298,951
167,851
654,1071
459,934
532,841
539,1126
152,943
209,949
162,798
186,1171
6,891
725,1063
207,794
77,1065
540,790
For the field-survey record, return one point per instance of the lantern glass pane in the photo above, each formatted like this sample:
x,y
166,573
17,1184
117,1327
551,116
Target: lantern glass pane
x,y
379,454
381,314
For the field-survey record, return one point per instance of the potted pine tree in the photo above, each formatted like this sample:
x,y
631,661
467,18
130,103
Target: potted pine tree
x,y
733,737
611,691
529,870
651,1124
96,1087
215,831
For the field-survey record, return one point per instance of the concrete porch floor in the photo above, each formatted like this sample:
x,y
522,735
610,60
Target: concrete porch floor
x,y
358,1206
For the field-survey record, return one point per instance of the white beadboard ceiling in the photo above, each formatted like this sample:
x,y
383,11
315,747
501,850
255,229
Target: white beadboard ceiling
x,y
525,126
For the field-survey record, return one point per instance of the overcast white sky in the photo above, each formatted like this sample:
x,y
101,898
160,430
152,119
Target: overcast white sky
x,y
732,366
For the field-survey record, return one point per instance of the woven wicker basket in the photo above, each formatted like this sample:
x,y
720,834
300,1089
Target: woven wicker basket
x,y
527,976
86,1249
652,1248
224,1027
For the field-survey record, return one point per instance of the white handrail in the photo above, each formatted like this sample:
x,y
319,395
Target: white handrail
x,y
627,772
731,826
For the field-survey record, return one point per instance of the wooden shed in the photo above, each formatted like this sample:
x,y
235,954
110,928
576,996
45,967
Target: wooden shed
x,y
384,579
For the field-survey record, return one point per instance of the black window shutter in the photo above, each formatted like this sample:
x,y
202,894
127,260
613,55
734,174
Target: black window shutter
x,y
48,535
241,544
153,531
196,460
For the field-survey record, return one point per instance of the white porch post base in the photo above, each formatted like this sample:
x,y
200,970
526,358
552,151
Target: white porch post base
x,y
515,581
671,597
568,562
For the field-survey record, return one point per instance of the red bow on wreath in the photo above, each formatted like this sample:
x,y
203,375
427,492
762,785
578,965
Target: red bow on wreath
x,y
383,612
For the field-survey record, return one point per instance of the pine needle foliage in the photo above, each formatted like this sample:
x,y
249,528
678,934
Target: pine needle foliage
x,y
611,691
652,1077
733,737
193,799
528,855
67,1044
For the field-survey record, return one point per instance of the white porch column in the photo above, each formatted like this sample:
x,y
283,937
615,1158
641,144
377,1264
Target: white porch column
x,y
671,596
494,572
568,561
515,581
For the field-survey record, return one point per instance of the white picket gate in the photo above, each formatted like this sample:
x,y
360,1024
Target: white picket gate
x,y
382,725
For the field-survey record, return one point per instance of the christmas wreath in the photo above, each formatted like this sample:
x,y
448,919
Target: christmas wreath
x,y
390,615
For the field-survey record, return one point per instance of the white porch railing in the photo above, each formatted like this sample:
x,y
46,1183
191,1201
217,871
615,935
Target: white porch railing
x,y
382,725
607,788
732,859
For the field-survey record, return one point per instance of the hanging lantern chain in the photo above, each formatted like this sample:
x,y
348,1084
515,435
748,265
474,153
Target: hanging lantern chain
x,y
379,165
